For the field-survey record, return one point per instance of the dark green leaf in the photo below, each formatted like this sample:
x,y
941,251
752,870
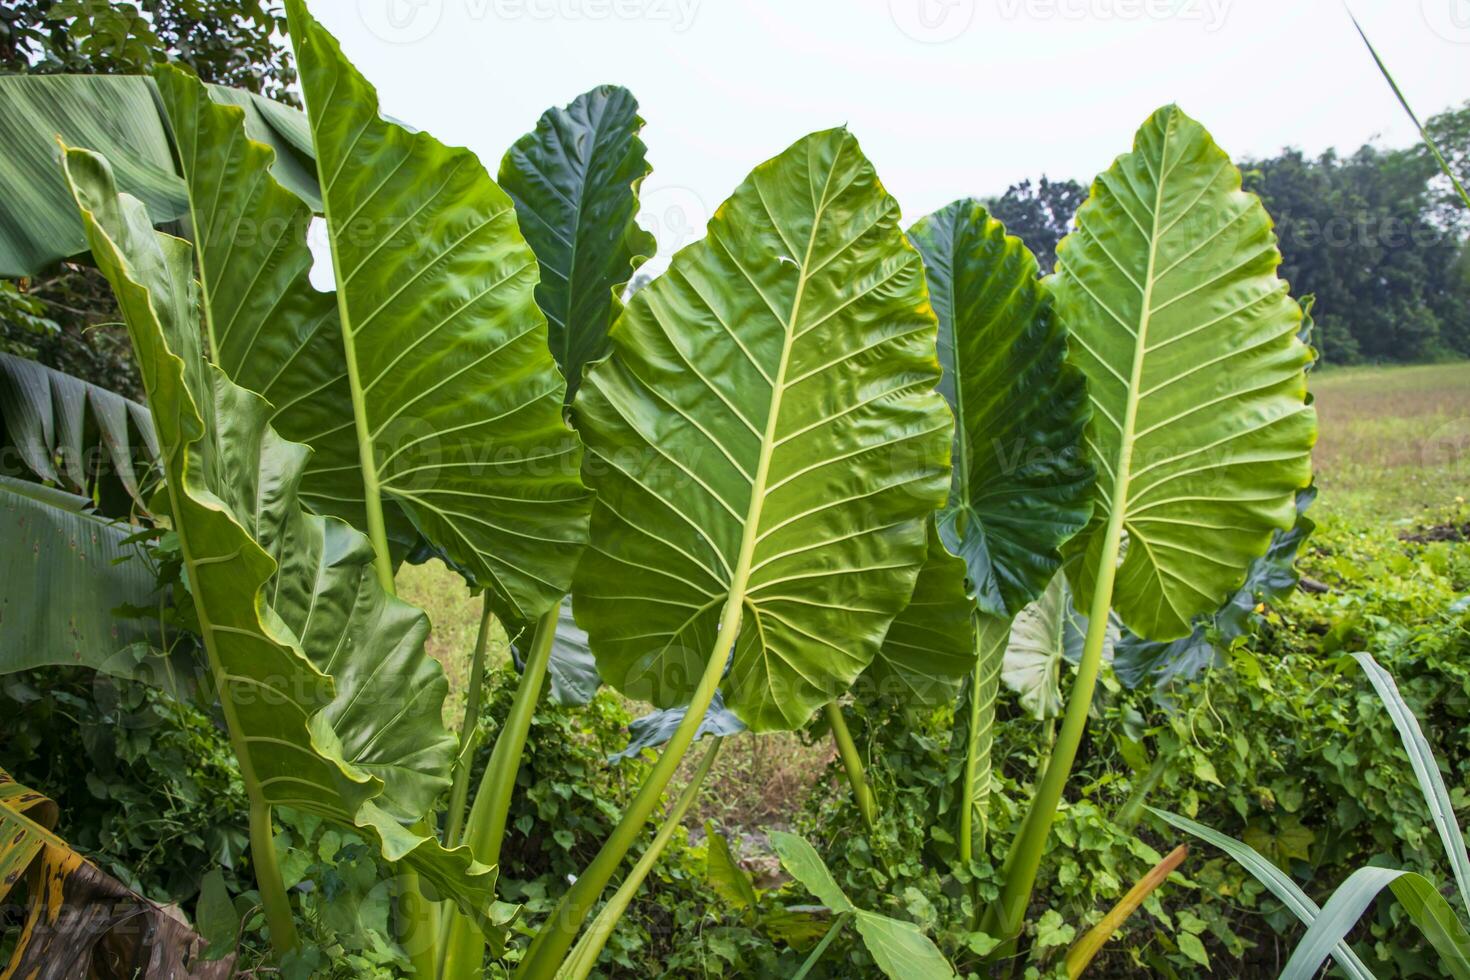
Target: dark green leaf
x,y
1021,484
215,916
575,182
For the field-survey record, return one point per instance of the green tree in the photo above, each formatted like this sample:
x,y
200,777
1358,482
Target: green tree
x,y
1039,215
1366,234
233,43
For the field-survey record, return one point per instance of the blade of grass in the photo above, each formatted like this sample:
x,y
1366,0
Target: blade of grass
x,y
1426,770
1087,947
1276,882
1436,920
1423,133
1425,905
1337,918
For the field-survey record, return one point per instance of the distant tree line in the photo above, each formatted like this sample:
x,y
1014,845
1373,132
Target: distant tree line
x,y
1377,236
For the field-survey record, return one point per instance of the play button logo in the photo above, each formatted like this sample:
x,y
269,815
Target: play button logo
x,y
401,21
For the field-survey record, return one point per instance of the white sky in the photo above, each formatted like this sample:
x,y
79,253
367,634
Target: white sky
x,y
947,97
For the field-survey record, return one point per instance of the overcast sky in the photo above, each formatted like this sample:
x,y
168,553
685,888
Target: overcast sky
x,y
947,97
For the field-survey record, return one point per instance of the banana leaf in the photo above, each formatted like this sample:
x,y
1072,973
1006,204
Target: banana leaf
x,y
120,116
76,436
68,573
80,921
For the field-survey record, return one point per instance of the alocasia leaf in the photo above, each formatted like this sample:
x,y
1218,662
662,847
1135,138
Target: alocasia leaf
x,y
571,670
456,402
331,704
1189,343
973,737
268,328
765,442
1200,424
1269,578
575,182
1021,482
657,727
930,647
1045,633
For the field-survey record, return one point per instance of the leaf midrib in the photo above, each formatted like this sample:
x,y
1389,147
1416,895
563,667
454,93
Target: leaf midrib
x,y
371,490
1118,502
749,536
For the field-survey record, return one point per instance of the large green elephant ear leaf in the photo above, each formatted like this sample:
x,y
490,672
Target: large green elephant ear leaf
x,y
765,436
268,329
331,703
1021,484
575,182
930,646
1189,343
456,401
1269,579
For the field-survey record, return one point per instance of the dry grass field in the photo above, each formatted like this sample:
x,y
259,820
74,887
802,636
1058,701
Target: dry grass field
x,y
1393,441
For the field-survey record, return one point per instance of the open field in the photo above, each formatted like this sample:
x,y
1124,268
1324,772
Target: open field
x,y
1394,444
1393,440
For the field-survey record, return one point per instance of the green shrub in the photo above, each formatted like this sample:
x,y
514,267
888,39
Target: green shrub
x,y
147,786
568,797
1285,748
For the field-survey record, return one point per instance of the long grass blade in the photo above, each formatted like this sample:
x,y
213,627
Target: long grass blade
x,y
1336,919
1423,133
1425,905
1436,920
1275,881
1426,770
